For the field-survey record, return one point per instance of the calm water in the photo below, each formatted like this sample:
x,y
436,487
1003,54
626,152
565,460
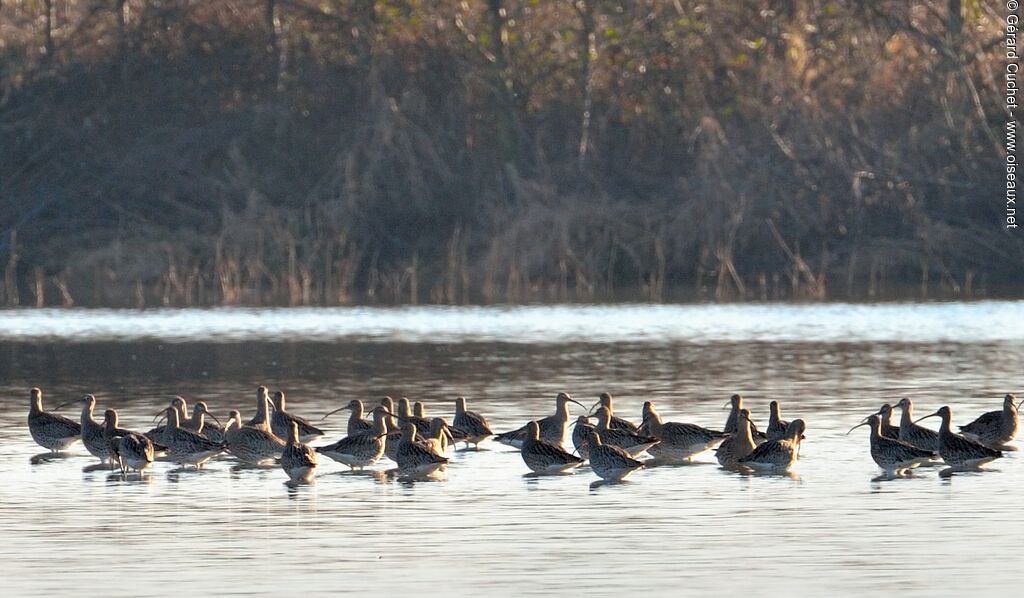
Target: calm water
x,y
485,529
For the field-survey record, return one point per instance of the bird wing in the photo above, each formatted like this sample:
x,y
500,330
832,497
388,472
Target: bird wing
x,y
985,421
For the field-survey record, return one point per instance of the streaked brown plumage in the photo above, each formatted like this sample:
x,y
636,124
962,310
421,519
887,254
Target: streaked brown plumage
x,y
130,450
739,444
581,436
157,434
893,456
51,431
281,420
617,423
92,431
913,434
776,455
439,438
298,460
995,428
776,429
262,417
959,452
543,456
356,423
185,446
610,462
552,427
405,415
361,449
631,442
736,403
414,457
474,425
200,424
886,428
254,445
680,442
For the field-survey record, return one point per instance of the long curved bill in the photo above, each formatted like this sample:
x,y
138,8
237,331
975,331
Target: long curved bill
x,y
926,417
335,411
206,412
863,423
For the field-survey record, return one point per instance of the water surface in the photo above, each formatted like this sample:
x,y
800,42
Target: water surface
x,y
828,529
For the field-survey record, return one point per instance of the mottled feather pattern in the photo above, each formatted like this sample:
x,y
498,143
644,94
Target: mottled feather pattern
x,y
541,455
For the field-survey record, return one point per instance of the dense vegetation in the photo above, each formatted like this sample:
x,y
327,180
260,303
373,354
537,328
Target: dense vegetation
x,y
180,152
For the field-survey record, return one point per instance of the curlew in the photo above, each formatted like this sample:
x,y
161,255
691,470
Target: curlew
x,y
199,424
157,434
439,437
282,420
298,460
130,450
414,457
581,436
958,452
736,403
610,462
776,455
617,423
887,429
356,423
262,417
394,435
51,431
91,430
552,427
680,442
254,445
362,449
406,415
995,428
474,425
739,444
631,442
913,434
895,457
185,446
776,429
544,456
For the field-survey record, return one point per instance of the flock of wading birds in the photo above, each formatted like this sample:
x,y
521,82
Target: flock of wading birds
x,y
418,444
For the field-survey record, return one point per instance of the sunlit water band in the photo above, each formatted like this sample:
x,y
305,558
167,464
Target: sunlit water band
x,y
993,321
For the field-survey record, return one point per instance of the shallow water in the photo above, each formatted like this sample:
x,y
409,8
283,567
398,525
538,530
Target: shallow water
x,y
828,529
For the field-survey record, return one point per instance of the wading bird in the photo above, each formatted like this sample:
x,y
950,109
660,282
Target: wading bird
x,y
51,431
552,428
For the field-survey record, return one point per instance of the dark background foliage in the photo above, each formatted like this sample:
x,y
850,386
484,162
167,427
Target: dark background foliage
x,y
186,152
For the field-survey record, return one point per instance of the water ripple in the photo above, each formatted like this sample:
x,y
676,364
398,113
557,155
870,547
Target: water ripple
x,y
831,529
